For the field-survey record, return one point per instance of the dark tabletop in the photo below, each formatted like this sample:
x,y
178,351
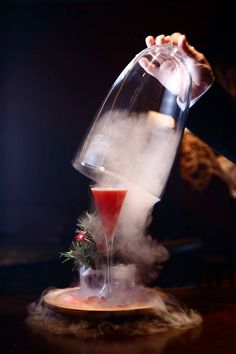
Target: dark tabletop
x,y
217,334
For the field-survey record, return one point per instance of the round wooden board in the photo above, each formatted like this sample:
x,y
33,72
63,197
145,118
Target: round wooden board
x,y
59,300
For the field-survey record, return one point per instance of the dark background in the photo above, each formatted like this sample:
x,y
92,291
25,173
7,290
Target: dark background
x,y
58,60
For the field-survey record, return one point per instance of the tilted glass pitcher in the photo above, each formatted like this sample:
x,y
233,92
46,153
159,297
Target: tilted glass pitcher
x,y
136,133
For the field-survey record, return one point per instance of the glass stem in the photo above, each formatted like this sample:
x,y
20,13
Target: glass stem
x,y
109,246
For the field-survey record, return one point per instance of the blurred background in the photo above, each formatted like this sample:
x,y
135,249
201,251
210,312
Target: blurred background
x,y
58,60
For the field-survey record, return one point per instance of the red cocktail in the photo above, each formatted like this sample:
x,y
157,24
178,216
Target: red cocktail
x,y
109,202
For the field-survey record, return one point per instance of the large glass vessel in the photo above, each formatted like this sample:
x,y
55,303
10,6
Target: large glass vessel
x,y
136,133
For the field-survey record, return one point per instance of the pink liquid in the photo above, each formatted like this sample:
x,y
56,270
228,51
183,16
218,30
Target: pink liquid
x,y
109,202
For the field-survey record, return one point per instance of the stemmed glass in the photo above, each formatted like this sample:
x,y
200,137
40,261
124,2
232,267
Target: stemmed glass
x,y
109,201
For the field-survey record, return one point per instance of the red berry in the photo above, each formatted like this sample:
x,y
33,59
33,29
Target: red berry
x,y
80,236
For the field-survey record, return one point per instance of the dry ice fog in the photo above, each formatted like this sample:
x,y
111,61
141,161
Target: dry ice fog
x,y
136,150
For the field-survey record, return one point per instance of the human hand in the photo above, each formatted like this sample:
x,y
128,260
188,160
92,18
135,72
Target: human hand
x,y
198,66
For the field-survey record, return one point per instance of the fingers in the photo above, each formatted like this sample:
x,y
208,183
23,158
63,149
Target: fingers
x,y
181,42
150,41
189,50
178,39
174,38
160,39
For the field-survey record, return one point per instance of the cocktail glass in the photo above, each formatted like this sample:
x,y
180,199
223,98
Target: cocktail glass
x,y
109,201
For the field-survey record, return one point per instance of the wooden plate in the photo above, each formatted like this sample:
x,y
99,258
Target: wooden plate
x,y
66,301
